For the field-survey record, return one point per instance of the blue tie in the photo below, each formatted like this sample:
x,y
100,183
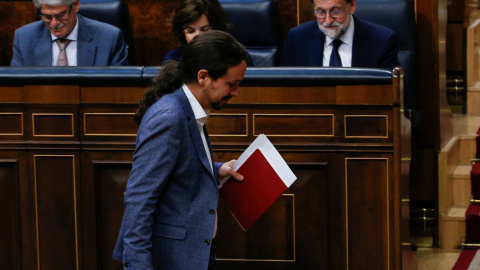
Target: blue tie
x,y
335,60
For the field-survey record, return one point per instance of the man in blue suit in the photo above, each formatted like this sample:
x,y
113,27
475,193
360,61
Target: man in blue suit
x,y
87,42
358,43
172,193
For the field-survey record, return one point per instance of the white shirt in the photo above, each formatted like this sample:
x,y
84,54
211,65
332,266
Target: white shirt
x,y
345,50
71,49
201,116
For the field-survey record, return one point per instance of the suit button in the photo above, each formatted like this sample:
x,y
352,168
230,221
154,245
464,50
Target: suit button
x,y
125,263
207,242
211,212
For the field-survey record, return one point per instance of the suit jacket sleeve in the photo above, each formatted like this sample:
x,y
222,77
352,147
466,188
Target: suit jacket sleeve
x,y
17,59
389,59
288,51
120,51
153,161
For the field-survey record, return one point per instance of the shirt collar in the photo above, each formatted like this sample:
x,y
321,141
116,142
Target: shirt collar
x,y
201,115
72,36
346,38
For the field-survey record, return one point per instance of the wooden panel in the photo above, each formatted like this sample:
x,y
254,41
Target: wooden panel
x,y
109,124
51,94
53,125
455,47
14,14
90,94
110,182
10,249
145,15
11,124
270,243
368,94
227,124
288,15
456,11
276,241
311,125
368,213
284,95
366,126
56,212
337,215
305,11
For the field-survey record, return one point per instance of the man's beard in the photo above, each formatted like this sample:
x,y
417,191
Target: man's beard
x,y
336,32
218,105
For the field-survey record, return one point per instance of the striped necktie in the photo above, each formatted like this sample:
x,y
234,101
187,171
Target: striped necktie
x,y
62,56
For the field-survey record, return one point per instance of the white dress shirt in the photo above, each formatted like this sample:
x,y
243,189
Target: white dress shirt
x,y
345,50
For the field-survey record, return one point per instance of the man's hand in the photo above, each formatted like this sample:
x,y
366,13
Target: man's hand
x,y
226,170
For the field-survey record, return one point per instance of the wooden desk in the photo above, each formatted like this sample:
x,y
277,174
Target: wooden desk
x,y
66,150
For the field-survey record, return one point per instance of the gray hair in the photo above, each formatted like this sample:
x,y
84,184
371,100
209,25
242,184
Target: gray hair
x,y
54,2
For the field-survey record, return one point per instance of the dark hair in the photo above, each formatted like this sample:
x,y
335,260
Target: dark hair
x,y
348,1
189,11
215,51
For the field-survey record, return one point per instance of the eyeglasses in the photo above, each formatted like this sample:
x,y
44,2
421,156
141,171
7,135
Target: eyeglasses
x,y
334,13
59,17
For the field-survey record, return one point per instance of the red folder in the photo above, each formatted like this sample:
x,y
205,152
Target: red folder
x,y
251,198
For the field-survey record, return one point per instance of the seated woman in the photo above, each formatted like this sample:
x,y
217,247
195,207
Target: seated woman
x,y
192,17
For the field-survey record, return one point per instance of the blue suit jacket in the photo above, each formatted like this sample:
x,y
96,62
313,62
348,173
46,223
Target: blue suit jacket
x,y
374,46
99,44
172,195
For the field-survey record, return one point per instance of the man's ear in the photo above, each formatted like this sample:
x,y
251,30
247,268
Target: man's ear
x,y
202,76
76,6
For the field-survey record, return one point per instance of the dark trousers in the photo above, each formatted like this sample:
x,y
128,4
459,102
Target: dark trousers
x,y
211,263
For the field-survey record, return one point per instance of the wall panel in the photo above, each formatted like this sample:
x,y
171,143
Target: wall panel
x,y
110,182
9,211
65,194
56,211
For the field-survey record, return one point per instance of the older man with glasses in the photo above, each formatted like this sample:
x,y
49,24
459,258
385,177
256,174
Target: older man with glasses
x,y
339,39
64,38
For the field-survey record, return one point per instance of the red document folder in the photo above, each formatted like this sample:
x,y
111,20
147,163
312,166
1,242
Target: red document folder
x,y
251,198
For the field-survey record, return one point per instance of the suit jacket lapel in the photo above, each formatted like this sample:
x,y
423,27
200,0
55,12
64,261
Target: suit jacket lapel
x,y
85,49
318,46
42,52
194,132
359,51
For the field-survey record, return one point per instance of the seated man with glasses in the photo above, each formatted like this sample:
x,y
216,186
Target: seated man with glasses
x,y
338,39
64,38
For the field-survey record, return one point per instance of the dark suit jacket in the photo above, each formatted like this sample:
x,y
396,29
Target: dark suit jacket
x,y
374,46
172,195
98,44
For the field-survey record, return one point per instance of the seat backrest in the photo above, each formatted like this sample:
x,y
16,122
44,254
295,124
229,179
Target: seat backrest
x,y
256,24
398,15
114,12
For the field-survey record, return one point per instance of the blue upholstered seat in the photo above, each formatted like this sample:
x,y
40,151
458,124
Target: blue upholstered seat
x,y
398,15
114,12
256,24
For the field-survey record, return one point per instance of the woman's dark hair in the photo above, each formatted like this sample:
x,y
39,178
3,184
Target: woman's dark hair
x,y
189,11
214,51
